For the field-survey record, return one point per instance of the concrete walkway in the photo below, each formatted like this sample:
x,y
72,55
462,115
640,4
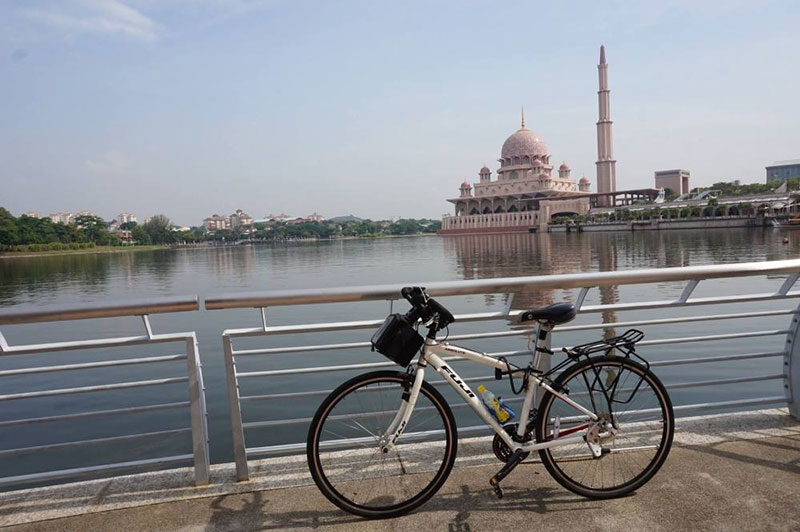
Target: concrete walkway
x,y
731,472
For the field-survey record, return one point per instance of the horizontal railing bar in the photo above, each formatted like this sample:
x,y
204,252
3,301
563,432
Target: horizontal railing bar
x,y
132,307
526,332
682,319
702,360
734,380
98,413
97,441
283,396
93,344
318,393
646,305
351,325
105,468
500,285
300,349
89,365
345,367
737,402
98,388
712,337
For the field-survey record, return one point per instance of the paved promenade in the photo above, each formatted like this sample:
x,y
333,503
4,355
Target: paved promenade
x,y
730,472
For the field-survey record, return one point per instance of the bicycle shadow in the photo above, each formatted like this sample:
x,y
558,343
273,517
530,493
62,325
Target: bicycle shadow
x,y
258,513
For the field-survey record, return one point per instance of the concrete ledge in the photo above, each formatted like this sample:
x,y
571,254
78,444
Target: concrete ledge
x,y
172,486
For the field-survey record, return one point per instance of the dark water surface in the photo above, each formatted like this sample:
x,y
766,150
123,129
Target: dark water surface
x,y
211,271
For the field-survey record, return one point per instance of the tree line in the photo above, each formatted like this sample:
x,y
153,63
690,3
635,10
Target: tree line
x,y
26,233
278,231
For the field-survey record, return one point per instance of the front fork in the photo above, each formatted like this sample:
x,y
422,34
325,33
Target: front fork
x,y
400,421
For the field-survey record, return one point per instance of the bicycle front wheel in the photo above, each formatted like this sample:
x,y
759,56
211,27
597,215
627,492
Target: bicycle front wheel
x,y
347,451
635,432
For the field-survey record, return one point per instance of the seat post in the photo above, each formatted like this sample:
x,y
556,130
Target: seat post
x,y
542,342
540,362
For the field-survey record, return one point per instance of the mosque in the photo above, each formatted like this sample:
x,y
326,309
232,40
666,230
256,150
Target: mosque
x,y
529,191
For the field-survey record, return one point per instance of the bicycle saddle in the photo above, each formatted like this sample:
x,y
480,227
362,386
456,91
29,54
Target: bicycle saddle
x,y
555,314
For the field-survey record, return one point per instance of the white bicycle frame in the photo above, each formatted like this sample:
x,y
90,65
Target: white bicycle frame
x,y
431,352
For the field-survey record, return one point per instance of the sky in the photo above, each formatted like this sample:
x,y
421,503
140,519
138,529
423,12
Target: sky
x,y
379,109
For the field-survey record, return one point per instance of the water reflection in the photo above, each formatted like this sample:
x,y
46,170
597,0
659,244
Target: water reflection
x,y
43,279
510,255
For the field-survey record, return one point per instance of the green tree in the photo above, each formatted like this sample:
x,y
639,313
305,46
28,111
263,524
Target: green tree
x,y
9,235
140,236
159,229
96,230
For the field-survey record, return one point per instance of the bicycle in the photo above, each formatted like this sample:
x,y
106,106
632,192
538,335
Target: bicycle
x,y
603,427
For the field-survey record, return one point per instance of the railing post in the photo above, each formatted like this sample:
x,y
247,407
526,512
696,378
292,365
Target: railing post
x,y
791,366
239,449
197,406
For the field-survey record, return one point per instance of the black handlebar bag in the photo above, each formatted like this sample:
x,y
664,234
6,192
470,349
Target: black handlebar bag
x,y
397,340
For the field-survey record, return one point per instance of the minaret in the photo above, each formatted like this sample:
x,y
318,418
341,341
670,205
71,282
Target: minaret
x,y
606,165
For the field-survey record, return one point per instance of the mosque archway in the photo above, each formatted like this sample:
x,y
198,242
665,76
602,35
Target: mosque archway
x,y
564,214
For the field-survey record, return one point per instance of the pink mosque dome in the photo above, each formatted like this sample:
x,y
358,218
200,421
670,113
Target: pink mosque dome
x,y
544,176
485,170
523,142
537,163
465,185
584,181
563,166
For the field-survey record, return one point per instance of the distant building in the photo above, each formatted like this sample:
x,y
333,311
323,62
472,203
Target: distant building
x,y
783,170
126,237
315,217
125,218
60,217
32,214
277,217
240,219
675,180
216,223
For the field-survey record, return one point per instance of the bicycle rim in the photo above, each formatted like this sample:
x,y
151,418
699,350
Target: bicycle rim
x,y
641,427
347,458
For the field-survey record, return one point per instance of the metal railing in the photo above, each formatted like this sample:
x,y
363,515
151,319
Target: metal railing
x,y
584,282
192,378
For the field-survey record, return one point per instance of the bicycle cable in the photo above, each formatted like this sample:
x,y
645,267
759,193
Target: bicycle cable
x,y
510,372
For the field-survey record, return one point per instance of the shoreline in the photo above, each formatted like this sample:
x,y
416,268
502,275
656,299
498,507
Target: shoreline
x,y
86,251
205,244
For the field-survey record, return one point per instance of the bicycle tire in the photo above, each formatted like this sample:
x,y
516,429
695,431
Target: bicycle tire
x,y
645,425
345,476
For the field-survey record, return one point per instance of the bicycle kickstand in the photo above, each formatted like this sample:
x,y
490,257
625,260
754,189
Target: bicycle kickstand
x,y
513,461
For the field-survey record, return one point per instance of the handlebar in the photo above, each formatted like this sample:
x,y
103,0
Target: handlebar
x,y
426,308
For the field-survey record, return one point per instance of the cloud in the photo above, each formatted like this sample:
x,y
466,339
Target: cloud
x,y
96,16
111,164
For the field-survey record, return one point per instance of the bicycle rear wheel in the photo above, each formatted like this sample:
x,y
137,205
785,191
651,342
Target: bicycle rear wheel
x,y
635,439
346,455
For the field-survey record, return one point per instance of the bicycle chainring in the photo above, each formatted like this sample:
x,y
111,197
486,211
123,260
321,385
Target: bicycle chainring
x,y
502,451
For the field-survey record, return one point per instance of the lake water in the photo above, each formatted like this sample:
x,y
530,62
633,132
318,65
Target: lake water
x,y
210,271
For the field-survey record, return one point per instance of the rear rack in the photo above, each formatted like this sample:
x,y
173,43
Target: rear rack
x,y
624,342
